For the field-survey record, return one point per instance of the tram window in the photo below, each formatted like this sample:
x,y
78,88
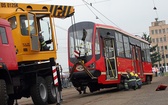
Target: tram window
x,y
127,47
143,51
148,53
119,43
97,44
143,55
109,50
85,47
72,47
137,54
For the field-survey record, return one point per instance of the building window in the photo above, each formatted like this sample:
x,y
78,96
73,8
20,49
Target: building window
x,y
162,48
158,48
157,40
153,40
156,31
152,32
167,30
166,55
160,39
163,30
163,56
160,31
164,38
165,47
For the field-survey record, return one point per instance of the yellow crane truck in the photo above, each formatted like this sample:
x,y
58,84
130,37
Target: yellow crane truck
x,y
28,66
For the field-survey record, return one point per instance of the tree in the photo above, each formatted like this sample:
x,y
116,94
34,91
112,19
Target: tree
x,y
154,54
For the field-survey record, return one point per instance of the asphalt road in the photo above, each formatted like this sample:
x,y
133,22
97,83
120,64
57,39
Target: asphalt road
x,y
144,96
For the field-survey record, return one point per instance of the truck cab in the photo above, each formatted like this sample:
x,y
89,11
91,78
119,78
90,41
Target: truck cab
x,y
8,55
26,27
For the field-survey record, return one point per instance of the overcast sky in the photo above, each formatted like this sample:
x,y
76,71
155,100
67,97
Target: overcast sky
x,y
133,16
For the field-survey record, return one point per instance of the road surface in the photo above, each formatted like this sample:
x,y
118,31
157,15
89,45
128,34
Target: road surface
x,y
144,96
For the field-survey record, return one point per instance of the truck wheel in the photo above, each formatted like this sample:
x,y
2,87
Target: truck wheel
x,y
52,97
58,95
39,92
10,100
3,93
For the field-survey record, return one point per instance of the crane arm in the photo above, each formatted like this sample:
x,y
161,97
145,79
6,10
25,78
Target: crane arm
x,y
57,11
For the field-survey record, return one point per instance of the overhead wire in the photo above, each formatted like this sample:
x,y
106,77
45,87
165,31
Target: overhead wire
x,y
61,28
94,13
41,1
101,13
93,3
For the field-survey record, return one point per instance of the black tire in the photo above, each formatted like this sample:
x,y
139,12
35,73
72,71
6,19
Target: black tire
x,y
39,93
139,86
120,86
52,97
58,93
91,89
3,93
10,100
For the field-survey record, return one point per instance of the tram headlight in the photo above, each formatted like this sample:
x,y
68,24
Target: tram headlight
x,y
79,68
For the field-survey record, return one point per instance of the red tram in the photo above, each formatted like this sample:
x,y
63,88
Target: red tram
x,y
99,54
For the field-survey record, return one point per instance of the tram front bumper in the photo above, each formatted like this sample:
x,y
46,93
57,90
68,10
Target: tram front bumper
x,y
85,75
82,77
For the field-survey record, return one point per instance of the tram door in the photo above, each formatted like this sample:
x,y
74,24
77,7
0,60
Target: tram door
x,y
137,60
109,53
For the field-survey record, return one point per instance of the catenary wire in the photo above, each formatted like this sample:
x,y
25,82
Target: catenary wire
x,y
93,3
101,14
94,13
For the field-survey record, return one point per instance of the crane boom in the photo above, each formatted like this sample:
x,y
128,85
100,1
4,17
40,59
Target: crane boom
x,y
58,11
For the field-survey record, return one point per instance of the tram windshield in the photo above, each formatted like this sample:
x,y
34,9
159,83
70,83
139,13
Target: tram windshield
x,y
81,41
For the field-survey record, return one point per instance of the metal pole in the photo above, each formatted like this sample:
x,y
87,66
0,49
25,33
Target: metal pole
x,y
158,53
164,63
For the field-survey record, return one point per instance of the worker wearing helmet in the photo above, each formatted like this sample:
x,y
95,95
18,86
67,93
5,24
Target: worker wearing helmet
x,y
138,80
44,46
130,80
